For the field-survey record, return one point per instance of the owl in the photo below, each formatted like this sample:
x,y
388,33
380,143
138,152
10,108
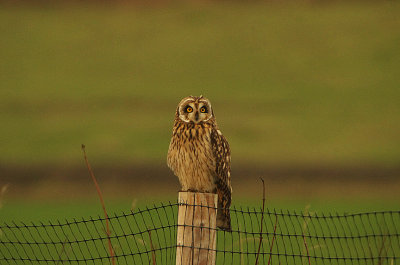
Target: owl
x,y
199,154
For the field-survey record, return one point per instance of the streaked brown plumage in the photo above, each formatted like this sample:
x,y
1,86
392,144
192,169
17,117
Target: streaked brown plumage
x,y
199,154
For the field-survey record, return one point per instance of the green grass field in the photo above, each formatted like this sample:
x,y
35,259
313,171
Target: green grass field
x,y
290,83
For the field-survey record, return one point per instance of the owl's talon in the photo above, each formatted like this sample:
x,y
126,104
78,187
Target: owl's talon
x,y
188,190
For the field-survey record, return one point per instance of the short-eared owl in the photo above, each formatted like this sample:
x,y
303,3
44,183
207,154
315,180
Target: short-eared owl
x,y
199,154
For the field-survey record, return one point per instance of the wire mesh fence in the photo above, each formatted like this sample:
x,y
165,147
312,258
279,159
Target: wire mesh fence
x,y
148,236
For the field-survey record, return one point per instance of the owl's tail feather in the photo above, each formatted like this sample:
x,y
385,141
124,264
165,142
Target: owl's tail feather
x,y
224,202
224,219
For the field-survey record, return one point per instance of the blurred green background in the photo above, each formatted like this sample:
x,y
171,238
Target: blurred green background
x,y
305,92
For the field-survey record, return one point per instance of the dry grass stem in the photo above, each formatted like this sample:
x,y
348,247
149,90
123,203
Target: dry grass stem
x,y
305,225
153,254
380,260
61,252
133,204
2,193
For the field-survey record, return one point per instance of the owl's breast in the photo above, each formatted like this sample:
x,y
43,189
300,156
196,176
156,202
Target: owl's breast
x,y
191,158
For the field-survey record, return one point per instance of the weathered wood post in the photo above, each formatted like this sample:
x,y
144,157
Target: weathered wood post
x,y
197,224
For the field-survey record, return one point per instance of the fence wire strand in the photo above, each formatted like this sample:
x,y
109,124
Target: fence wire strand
x,y
148,236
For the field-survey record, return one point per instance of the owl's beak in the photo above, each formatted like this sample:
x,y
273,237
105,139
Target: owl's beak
x,y
196,116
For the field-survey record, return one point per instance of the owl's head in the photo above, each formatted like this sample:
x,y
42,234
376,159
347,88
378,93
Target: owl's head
x,y
195,110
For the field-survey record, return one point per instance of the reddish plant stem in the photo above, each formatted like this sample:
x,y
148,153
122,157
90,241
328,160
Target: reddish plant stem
x,y
110,248
273,239
262,222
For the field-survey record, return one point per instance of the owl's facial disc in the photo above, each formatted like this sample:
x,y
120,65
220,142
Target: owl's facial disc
x,y
195,111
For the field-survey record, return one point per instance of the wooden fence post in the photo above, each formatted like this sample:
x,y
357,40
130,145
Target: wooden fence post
x,y
196,235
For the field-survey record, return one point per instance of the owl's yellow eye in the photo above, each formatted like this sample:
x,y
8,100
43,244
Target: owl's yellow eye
x,y
189,109
203,109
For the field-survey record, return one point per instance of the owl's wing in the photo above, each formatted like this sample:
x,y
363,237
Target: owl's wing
x,y
222,154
